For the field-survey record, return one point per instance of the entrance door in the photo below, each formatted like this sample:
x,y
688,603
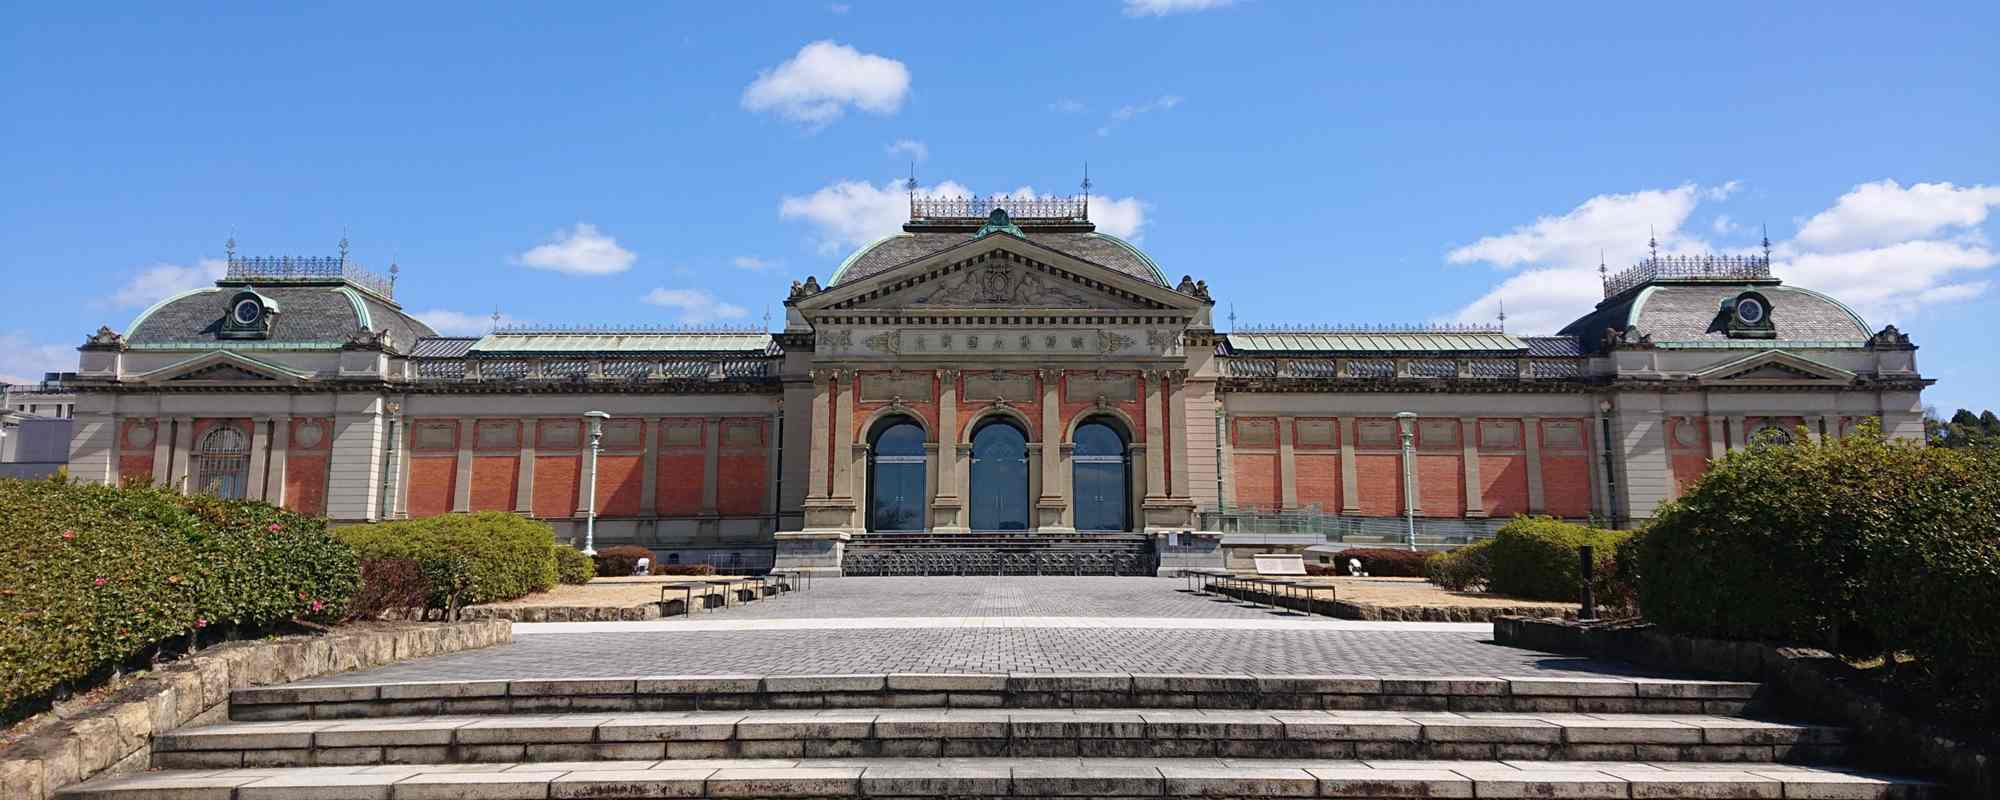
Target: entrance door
x,y
999,478
1102,478
896,477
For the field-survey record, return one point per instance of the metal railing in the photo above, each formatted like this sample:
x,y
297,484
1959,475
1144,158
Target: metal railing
x,y
302,268
1702,267
1068,208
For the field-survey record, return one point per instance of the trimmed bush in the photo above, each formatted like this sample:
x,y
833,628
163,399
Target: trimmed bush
x,y
1858,544
504,556
683,569
573,567
1461,569
620,560
390,584
96,576
1382,562
1536,558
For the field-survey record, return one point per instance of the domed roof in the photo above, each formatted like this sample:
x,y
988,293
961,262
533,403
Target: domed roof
x,y
1694,314
313,314
1101,249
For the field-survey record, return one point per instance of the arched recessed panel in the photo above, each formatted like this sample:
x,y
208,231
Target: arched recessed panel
x,y
999,478
1101,469
222,463
896,477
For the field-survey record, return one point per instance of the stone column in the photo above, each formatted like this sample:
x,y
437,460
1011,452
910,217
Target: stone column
x,y
524,474
163,452
1052,498
1531,443
1814,424
844,480
711,460
1288,474
945,507
461,485
1350,493
1156,472
649,469
1178,432
183,443
1742,439
1718,436
819,480
260,441
398,443
1468,439
773,477
281,443
1066,482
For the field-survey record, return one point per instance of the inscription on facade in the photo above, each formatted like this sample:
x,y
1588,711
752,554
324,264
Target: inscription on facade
x,y
1318,434
1013,387
435,436
742,433
1499,434
1562,433
623,434
496,435
559,434
681,433
1438,432
1114,387
1257,432
1046,342
1376,433
882,387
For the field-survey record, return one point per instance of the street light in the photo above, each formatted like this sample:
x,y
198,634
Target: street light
x,y
597,419
1408,421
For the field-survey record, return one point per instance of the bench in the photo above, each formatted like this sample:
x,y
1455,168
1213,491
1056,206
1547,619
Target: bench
x,y
1276,575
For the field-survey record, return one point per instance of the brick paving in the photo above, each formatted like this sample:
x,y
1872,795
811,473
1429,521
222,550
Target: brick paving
x,y
958,644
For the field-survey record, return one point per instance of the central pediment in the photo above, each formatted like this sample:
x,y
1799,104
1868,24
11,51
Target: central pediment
x,y
1000,271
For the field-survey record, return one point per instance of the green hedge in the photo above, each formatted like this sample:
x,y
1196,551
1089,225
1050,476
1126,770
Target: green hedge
x,y
505,556
618,561
1859,544
1382,562
1536,558
96,576
573,567
1461,569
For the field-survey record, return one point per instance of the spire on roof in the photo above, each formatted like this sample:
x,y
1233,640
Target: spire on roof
x,y
343,243
1652,242
1086,190
229,247
1503,314
1767,242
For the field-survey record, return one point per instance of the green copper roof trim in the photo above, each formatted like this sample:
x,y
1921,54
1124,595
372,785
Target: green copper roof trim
x,y
163,304
1375,342
585,342
360,308
1146,259
998,222
1762,344
856,256
1638,304
237,345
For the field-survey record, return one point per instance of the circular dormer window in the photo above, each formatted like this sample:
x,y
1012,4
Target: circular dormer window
x,y
247,311
1750,310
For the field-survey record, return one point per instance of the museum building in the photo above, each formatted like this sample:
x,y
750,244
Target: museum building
x,y
999,370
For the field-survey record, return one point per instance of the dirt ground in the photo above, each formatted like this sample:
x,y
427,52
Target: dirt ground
x,y
614,592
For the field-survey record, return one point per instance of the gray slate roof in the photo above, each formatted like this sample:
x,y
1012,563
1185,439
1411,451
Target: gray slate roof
x,y
1098,248
443,346
1553,346
1686,313
318,314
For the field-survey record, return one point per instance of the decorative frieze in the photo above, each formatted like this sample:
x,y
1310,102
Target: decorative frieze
x,y
938,341
1012,387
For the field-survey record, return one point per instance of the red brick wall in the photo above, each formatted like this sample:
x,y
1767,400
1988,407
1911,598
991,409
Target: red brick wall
x,y
556,480
305,481
1503,484
1076,405
1378,478
740,466
678,473
620,483
135,462
925,407
1566,489
968,407
1316,476
1441,484
493,482
432,481
1257,479
1688,459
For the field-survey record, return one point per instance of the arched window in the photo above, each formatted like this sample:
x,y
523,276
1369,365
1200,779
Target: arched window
x,y
1102,472
999,479
896,476
222,462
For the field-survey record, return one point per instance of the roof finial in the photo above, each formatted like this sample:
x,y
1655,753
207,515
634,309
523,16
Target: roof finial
x,y
496,320
229,247
767,316
1086,190
1503,315
910,185
1652,241
343,244
1232,317
1767,243
1603,272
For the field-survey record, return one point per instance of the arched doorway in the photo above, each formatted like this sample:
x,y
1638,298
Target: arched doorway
x,y
222,463
896,476
999,478
1102,472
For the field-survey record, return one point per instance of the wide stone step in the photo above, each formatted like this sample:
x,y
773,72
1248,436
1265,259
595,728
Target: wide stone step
x,y
988,733
1018,690
995,778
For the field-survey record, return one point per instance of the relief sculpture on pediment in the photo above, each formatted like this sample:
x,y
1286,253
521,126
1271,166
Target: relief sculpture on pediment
x,y
1001,285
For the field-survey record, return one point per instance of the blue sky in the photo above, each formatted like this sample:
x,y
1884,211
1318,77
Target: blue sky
x,y
1314,162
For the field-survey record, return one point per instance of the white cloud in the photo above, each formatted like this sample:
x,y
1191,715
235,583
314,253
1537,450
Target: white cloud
x,y
459,323
23,360
1880,213
1126,114
917,151
1066,106
818,85
849,214
160,281
582,250
1161,8
753,263
839,8
1883,249
696,306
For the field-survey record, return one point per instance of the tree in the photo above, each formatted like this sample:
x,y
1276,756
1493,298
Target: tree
x,y
1965,429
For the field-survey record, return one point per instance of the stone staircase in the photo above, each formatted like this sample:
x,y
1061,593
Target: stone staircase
x,y
999,553
1021,735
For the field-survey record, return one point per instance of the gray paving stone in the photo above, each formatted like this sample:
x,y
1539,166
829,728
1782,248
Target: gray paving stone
x,y
1237,781
935,780
301,785
475,786
699,684
1089,779
825,683
784,782
630,783
1431,782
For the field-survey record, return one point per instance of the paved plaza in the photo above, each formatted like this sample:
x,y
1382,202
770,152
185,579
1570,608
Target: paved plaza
x,y
989,625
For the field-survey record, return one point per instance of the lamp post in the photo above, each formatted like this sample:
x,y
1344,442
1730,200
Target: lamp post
x,y
597,419
1408,422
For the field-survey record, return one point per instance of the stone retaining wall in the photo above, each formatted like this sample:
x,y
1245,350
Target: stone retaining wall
x,y
117,735
1349,609
1807,682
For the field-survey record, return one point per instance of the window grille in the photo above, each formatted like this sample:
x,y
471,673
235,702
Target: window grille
x,y
222,463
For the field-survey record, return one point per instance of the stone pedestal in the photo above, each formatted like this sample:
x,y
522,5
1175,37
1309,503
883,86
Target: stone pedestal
x,y
811,552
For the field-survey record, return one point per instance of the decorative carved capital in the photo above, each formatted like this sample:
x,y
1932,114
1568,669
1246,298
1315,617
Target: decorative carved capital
x,y
1049,376
107,339
1177,376
365,339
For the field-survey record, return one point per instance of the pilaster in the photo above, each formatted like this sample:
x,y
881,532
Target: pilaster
x,y
163,452
711,458
1718,436
1288,475
1051,498
183,442
1177,484
649,468
1350,488
1156,473
281,444
260,441
946,505
461,485
1531,444
1468,439
524,474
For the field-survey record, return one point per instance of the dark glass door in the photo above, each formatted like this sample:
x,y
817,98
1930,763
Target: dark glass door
x,y
999,478
1101,472
896,479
